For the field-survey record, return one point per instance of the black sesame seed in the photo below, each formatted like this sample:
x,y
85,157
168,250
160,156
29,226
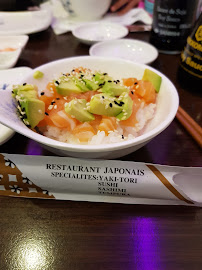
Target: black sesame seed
x,y
24,84
42,93
103,97
122,137
73,70
52,102
93,75
57,98
118,81
132,92
64,74
57,82
110,105
101,84
104,73
46,113
121,103
109,81
135,83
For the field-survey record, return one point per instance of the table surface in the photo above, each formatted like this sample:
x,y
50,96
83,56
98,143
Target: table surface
x,y
44,234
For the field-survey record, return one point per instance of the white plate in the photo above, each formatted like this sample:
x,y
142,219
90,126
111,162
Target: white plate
x,y
9,58
91,33
129,49
24,22
7,79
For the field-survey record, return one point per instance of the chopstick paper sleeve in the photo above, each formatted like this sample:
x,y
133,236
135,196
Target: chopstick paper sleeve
x,y
109,181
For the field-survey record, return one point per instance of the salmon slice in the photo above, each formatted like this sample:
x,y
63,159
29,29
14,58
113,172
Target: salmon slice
x,y
131,121
130,82
84,132
96,122
107,124
146,91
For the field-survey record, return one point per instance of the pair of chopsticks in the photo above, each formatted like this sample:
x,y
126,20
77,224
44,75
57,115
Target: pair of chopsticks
x,y
190,125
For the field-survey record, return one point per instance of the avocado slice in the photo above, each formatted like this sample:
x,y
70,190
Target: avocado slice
x,y
153,77
99,78
127,107
31,109
90,84
103,104
80,84
114,89
19,88
78,109
66,88
102,77
34,110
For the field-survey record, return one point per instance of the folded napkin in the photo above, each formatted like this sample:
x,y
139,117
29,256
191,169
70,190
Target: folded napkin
x,y
64,22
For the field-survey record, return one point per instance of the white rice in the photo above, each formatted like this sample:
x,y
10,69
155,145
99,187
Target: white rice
x,y
144,114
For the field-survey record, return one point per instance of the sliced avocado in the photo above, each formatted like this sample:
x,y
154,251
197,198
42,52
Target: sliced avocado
x,y
127,107
78,109
102,77
153,77
32,111
25,87
66,88
99,78
103,104
80,84
114,89
27,94
91,85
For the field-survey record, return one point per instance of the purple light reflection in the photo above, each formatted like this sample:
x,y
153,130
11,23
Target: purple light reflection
x,y
146,244
34,148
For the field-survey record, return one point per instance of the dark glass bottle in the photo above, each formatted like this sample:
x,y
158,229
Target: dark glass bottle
x,y
190,70
172,22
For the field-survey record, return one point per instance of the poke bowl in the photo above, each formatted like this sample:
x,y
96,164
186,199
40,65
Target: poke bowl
x,y
98,121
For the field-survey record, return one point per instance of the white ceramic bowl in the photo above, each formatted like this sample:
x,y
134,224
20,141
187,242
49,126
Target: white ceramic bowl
x,y
8,59
167,105
91,33
87,9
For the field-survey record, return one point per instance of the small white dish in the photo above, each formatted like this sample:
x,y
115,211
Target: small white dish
x,y
8,59
24,22
90,33
128,49
16,42
7,78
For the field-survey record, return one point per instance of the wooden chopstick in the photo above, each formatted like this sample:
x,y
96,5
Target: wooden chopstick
x,y
190,125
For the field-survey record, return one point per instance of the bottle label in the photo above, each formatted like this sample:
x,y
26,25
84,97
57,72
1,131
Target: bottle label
x,y
191,57
172,21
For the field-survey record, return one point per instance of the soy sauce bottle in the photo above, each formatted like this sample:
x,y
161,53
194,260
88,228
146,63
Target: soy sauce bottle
x,y
172,23
190,70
